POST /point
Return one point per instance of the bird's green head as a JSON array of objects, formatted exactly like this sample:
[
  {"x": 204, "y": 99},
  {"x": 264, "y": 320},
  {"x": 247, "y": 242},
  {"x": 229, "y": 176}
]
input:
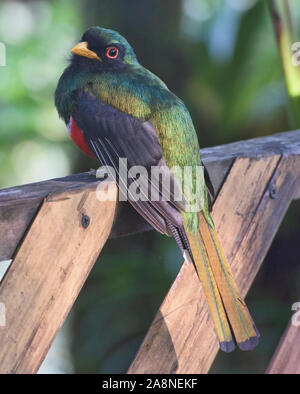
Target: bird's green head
[{"x": 103, "y": 50}]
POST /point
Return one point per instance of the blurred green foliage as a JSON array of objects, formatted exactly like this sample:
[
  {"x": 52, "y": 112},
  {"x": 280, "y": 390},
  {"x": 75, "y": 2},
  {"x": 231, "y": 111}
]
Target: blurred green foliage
[
  {"x": 221, "y": 58},
  {"x": 33, "y": 141}
]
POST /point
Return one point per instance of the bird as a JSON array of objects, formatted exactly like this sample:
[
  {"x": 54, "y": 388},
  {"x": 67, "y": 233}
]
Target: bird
[{"x": 114, "y": 109}]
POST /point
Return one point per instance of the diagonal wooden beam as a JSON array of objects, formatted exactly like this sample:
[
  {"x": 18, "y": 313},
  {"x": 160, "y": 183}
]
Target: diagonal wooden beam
[
  {"x": 47, "y": 274},
  {"x": 286, "y": 359},
  {"x": 247, "y": 213}
]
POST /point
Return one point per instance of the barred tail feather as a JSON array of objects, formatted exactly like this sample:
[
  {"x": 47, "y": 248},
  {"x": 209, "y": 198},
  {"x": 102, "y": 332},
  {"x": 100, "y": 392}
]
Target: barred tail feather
[{"x": 229, "y": 312}]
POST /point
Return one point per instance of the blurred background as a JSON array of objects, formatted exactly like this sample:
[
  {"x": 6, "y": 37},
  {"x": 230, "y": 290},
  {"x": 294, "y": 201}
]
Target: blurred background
[{"x": 221, "y": 58}]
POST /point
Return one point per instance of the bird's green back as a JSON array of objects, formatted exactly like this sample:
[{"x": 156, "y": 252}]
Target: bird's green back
[{"x": 138, "y": 92}]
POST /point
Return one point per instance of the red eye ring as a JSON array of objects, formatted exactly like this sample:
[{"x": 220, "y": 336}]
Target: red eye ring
[{"x": 112, "y": 52}]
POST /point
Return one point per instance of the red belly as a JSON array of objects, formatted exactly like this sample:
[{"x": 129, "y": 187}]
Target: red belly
[{"x": 77, "y": 136}]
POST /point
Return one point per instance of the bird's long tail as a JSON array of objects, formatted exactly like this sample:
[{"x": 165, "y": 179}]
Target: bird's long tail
[{"x": 229, "y": 312}]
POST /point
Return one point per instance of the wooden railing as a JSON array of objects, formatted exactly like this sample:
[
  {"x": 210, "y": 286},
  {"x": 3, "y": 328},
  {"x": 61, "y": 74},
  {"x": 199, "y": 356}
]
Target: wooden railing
[{"x": 55, "y": 230}]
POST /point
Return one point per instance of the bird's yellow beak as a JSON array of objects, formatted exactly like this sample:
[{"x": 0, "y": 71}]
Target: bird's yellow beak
[{"x": 82, "y": 49}]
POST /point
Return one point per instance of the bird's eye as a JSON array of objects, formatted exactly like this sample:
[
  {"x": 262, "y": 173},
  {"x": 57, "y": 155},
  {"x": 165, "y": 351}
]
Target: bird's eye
[{"x": 112, "y": 52}]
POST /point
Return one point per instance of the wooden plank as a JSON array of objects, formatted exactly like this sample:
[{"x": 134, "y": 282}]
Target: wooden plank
[
  {"x": 286, "y": 359},
  {"x": 181, "y": 338},
  {"x": 47, "y": 274},
  {"x": 287, "y": 143},
  {"x": 18, "y": 206},
  {"x": 192, "y": 337},
  {"x": 268, "y": 217},
  {"x": 296, "y": 195},
  {"x": 14, "y": 221},
  {"x": 25, "y": 200}
]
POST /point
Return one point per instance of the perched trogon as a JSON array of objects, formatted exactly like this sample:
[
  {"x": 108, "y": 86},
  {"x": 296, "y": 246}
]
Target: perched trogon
[{"x": 115, "y": 108}]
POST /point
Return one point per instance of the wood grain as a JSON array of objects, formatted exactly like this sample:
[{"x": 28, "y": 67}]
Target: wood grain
[
  {"x": 286, "y": 359},
  {"x": 47, "y": 274},
  {"x": 181, "y": 338}
]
